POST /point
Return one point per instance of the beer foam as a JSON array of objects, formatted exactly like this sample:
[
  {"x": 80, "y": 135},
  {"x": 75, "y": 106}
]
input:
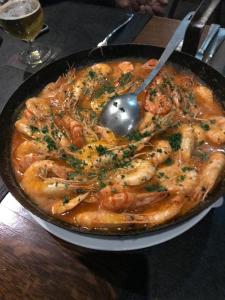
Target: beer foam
[{"x": 17, "y": 9}]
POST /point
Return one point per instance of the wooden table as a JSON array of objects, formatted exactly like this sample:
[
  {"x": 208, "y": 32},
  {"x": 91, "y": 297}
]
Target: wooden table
[{"x": 36, "y": 265}]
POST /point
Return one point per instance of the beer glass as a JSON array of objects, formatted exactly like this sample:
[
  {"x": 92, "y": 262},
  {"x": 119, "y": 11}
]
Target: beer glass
[{"x": 23, "y": 19}]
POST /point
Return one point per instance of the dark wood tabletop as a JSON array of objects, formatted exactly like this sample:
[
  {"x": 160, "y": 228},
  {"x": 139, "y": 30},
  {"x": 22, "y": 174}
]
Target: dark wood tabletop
[{"x": 36, "y": 265}]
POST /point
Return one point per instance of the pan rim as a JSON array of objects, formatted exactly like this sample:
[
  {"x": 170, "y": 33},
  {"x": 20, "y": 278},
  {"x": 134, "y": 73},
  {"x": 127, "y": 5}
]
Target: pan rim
[{"x": 28, "y": 204}]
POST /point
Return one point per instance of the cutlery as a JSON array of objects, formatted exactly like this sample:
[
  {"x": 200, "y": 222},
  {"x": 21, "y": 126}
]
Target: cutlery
[
  {"x": 214, "y": 46},
  {"x": 212, "y": 33},
  {"x": 108, "y": 37},
  {"x": 121, "y": 114}
]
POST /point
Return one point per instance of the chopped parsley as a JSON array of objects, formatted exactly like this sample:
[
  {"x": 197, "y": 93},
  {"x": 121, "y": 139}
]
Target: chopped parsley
[
  {"x": 74, "y": 162},
  {"x": 102, "y": 185},
  {"x": 105, "y": 88},
  {"x": 205, "y": 126},
  {"x": 125, "y": 78},
  {"x": 180, "y": 178},
  {"x": 191, "y": 98},
  {"x": 175, "y": 141},
  {"x": 101, "y": 150},
  {"x": 33, "y": 129},
  {"x": 153, "y": 92},
  {"x": 160, "y": 174},
  {"x": 66, "y": 200},
  {"x": 155, "y": 188},
  {"x": 80, "y": 191},
  {"x": 137, "y": 135},
  {"x": 92, "y": 74},
  {"x": 168, "y": 161},
  {"x": 71, "y": 175},
  {"x": 187, "y": 169},
  {"x": 44, "y": 130},
  {"x": 73, "y": 148},
  {"x": 129, "y": 152},
  {"x": 50, "y": 143}
]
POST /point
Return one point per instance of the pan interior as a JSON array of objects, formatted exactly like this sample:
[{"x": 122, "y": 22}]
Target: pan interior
[{"x": 50, "y": 73}]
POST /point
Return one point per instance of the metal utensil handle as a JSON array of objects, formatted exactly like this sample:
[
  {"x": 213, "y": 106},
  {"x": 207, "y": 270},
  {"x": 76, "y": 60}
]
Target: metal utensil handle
[
  {"x": 213, "y": 30},
  {"x": 215, "y": 46},
  {"x": 105, "y": 41},
  {"x": 120, "y": 26},
  {"x": 171, "y": 46}
]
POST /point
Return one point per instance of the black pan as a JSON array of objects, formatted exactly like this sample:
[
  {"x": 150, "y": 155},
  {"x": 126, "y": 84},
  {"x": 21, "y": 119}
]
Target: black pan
[{"x": 35, "y": 83}]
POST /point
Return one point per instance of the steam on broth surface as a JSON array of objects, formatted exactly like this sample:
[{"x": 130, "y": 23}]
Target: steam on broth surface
[{"x": 80, "y": 172}]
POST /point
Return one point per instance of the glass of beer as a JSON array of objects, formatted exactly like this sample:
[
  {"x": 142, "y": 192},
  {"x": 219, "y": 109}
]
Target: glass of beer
[{"x": 23, "y": 19}]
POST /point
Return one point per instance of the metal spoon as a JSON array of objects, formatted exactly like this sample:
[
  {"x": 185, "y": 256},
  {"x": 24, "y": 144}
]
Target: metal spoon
[{"x": 121, "y": 114}]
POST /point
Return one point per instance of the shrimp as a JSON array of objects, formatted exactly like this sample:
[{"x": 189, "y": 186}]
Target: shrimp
[
  {"x": 118, "y": 199},
  {"x": 199, "y": 133},
  {"x": 161, "y": 152},
  {"x": 158, "y": 214},
  {"x": 187, "y": 143},
  {"x": 209, "y": 175},
  {"x": 203, "y": 95},
  {"x": 37, "y": 184},
  {"x": 123, "y": 68},
  {"x": 177, "y": 179},
  {"x": 212, "y": 130},
  {"x": 75, "y": 130},
  {"x": 28, "y": 152},
  {"x": 146, "y": 121},
  {"x": 60, "y": 207},
  {"x": 118, "y": 152},
  {"x": 150, "y": 64},
  {"x": 106, "y": 134},
  {"x": 39, "y": 107},
  {"x": 216, "y": 132},
  {"x": 101, "y": 68},
  {"x": 158, "y": 104},
  {"x": 139, "y": 172}
]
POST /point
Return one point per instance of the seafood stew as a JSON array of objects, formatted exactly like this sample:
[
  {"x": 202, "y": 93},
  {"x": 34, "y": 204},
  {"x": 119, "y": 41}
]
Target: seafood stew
[{"x": 80, "y": 172}]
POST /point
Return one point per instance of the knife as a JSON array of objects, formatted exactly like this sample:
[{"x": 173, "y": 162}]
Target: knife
[{"x": 212, "y": 33}]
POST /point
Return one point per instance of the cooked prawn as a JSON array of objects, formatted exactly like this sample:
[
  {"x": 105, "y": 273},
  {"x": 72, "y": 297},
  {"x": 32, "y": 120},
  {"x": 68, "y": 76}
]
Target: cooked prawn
[
  {"x": 177, "y": 179},
  {"x": 74, "y": 130},
  {"x": 209, "y": 175},
  {"x": 160, "y": 153},
  {"x": 28, "y": 152},
  {"x": 118, "y": 199},
  {"x": 39, "y": 107},
  {"x": 38, "y": 183},
  {"x": 159, "y": 104},
  {"x": 60, "y": 207},
  {"x": 160, "y": 213},
  {"x": 137, "y": 173},
  {"x": 187, "y": 142}
]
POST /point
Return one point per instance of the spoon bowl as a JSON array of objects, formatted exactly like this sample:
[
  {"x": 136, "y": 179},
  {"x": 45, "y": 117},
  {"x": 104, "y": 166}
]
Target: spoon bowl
[{"x": 122, "y": 113}]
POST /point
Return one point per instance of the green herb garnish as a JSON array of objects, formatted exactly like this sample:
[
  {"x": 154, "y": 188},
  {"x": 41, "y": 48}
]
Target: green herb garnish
[
  {"x": 155, "y": 188},
  {"x": 187, "y": 169},
  {"x": 66, "y": 200},
  {"x": 125, "y": 78},
  {"x": 205, "y": 126},
  {"x": 33, "y": 129},
  {"x": 73, "y": 148},
  {"x": 50, "y": 143},
  {"x": 175, "y": 141},
  {"x": 101, "y": 150},
  {"x": 168, "y": 161}
]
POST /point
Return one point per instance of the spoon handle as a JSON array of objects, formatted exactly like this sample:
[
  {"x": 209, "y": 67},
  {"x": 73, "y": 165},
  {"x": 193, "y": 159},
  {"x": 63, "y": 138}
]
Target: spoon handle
[{"x": 171, "y": 46}]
